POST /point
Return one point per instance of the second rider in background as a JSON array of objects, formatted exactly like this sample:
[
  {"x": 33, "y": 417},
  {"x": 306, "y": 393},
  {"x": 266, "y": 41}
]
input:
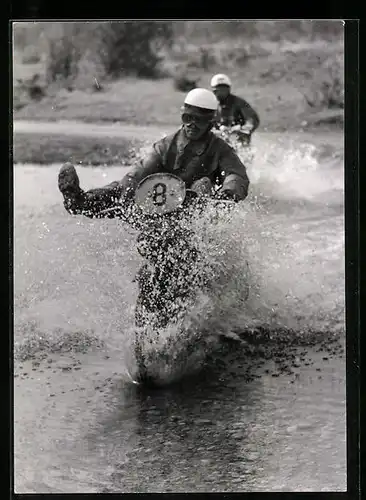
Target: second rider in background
[{"x": 232, "y": 110}]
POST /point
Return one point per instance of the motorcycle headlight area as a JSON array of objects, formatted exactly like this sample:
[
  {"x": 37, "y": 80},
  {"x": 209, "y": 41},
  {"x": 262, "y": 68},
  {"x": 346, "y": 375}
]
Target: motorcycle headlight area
[{"x": 160, "y": 194}]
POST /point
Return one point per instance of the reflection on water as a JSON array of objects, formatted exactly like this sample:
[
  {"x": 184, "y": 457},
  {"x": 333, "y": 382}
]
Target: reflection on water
[
  {"x": 217, "y": 432},
  {"x": 225, "y": 435}
]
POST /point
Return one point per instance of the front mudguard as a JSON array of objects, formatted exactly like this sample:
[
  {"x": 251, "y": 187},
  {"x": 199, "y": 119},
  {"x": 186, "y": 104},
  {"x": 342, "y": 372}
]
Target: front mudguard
[
  {"x": 168, "y": 278},
  {"x": 163, "y": 295}
]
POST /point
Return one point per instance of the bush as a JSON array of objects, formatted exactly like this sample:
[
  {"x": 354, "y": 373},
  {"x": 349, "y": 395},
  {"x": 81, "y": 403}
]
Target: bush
[
  {"x": 131, "y": 48},
  {"x": 113, "y": 48},
  {"x": 62, "y": 59},
  {"x": 327, "y": 89},
  {"x": 185, "y": 83},
  {"x": 27, "y": 90}
]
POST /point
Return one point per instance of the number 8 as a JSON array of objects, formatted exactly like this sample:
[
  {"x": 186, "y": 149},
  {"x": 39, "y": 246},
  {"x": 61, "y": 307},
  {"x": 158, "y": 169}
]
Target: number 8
[{"x": 159, "y": 194}]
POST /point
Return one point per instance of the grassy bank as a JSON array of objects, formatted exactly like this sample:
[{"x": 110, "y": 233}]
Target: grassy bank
[{"x": 47, "y": 149}]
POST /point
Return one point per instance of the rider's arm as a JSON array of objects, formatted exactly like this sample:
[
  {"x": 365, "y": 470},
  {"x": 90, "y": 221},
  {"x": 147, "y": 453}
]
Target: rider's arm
[
  {"x": 234, "y": 173},
  {"x": 247, "y": 113},
  {"x": 150, "y": 164}
]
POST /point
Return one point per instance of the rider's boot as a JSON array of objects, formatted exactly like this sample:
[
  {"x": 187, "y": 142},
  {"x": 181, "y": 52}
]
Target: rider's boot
[
  {"x": 68, "y": 180},
  {"x": 69, "y": 185}
]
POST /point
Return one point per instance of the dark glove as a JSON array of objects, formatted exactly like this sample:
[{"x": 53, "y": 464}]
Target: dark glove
[
  {"x": 227, "y": 194},
  {"x": 244, "y": 137},
  {"x": 203, "y": 187}
]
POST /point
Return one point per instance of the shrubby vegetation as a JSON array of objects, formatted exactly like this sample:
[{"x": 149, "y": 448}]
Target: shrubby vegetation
[
  {"x": 88, "y": 55},
  {"x": 106, "y": 49}
]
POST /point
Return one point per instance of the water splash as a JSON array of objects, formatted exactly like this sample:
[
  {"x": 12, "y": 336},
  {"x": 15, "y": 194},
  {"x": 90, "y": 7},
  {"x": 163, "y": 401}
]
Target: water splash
[
  {"x": 285, "y": 170},
  {"x": 289, "y": 257}
]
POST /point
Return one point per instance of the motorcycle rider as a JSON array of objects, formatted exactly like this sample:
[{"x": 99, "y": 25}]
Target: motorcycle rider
[
  {"x": 193, "y": 153},
  {"x": 232, "y": 110},
  {"x": 201, "y": 159}
]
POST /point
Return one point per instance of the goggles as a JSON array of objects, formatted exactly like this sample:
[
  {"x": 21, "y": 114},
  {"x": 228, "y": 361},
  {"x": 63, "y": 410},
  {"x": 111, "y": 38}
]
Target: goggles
[{"x": 196, "y": 119}]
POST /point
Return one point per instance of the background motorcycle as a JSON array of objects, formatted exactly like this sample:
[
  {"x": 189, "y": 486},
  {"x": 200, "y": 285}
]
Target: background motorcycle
[{"x": 235, "y": 135}]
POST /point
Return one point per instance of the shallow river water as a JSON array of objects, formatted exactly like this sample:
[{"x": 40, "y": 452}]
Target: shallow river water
[{"x": 267, "y": 414}]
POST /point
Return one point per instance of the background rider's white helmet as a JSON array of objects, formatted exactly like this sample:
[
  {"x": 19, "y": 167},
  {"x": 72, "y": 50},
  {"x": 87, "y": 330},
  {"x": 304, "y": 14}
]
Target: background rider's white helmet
[
  {"x": 201, "y": 98},
  {"x": 220, "y": 79}
]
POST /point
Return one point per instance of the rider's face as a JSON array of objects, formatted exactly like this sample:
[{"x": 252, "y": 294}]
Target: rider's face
[
  {"x": 221, "y": 92},
  {"x": 195, "y": 125}
]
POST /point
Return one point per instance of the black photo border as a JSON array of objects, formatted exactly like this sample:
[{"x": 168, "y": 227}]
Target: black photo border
[{"x": 37, "y": 10}]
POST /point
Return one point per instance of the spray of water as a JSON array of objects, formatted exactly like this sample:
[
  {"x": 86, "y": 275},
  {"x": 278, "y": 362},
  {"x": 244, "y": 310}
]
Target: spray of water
[{"x": 274, "y": 263}]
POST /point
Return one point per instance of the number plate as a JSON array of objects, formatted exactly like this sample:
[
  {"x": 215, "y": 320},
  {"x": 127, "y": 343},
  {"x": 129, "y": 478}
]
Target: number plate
[{"x": 160, "y": 193}]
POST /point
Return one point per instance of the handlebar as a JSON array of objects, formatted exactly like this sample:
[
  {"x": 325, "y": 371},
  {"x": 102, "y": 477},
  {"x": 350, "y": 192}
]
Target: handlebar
[{"x": 120, "y": 210}]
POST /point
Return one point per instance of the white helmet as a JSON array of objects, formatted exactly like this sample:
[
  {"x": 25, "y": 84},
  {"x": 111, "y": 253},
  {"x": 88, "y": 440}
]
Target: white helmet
[
  {"x": 220, "y": 79},
  {"x": 201, "y": 98}
]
